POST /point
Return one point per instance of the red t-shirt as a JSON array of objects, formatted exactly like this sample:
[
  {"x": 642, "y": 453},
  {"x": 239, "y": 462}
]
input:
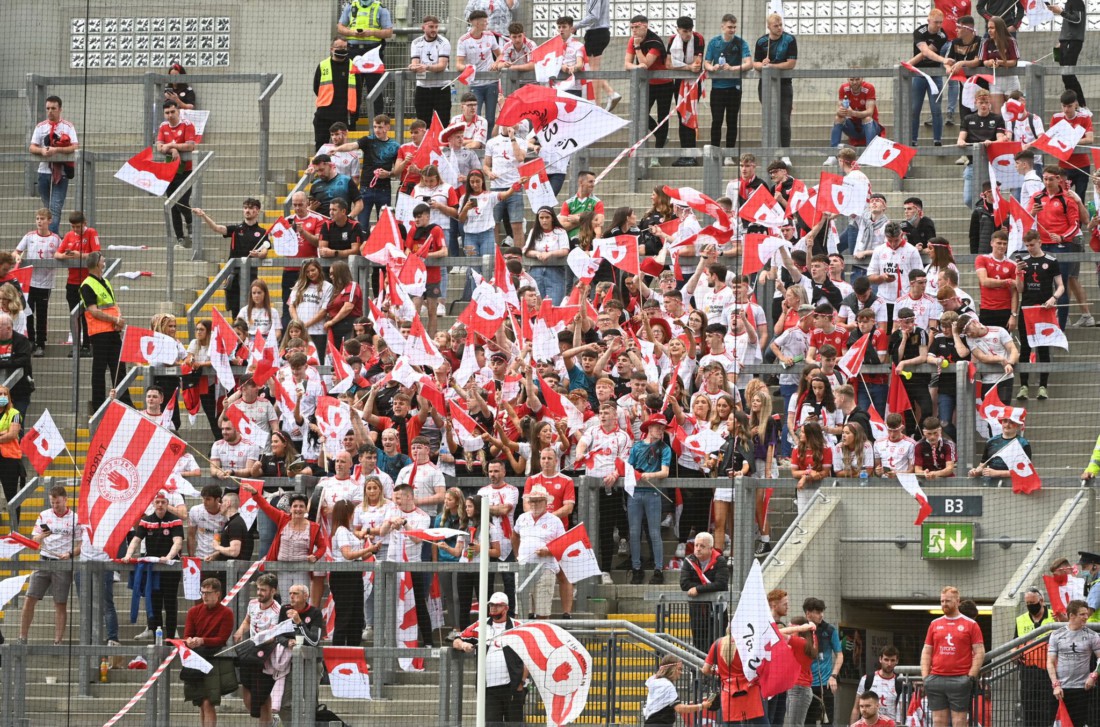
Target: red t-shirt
[
  {"x": 882, "y": 722},
  {"x": 353, "y": 294},
  {"x": 838, "y": 339},
  {"x": 804, "y": 460},
  {"x": 409, "y": 179},
  {"x": 798, "y": 648},
  {"x": 952, "y": 10},
  {"x": 653, "y": 46},
  {"x": 996, "y": 298},
  {"x": 560, "y": 488},
  {"x": 181, "y": 133},
  {"x": 952, "y": 640},
  {"x": 740, "y": 699},
  {"x": 858, "y": 101},
  {"x": 84, "y": 244},
  {"x": 1084, "y": 120},
  {"x": 434, "y": 243}
]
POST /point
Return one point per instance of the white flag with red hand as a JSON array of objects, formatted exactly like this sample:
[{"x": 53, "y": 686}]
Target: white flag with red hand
[
  {"x": 369, "y": 62},
  {"x": 1002, "y": 159},
  {"x": 249, "y": 507},
  {"x": 908, "y": 482},
  {"x": 574, "y": 554},
  {"x": 485, "y": 312},
  {"x": 1062, "y": 589},
  {"x": 548, "y": 59},
  {"x": 888, "y": 155},
  {"x": 283, "y": 238},
  {"x": 129, "y": 459},
  {"x": 762, "y": 209},
  {"x": 539, "y": 192},
  {"x": 992, "y": 411},
  {"x": 148, "y": 348},
  {"x": 147, "y": 175},
  {"x": 621, "y": 251},
  {"x": 759, "y": 250},
  {"x": 420, "y": 349},
  {"x": 43, "y": 442},
  {"x": 1042, "y": 328},
  {"x": 559, "y": 665},
  {"x": 1060, "y": 140},
  {"x": 12, "y": 543},
  {"x": 250, "y": 432},
  {"x": 1025, "y": 479},
  {"x": 348, "y": 672},
  {"x": 851, "y": 362},
  {"x": 1037, "y": 13},
  {"x": 192, "y": 578},
  {"x": 188, "y": 658}
]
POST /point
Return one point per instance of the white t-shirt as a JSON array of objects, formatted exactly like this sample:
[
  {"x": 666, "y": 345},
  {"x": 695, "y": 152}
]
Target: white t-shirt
[
  {"x": 313, "y": 301},
  {"x": 261, "y": 320},
  {"x": 536, "y": 534},
  {"x": 416, "y": 519},
  {"x": 428, "y": 478},
  {"x": 503, "y": 160},
  {"x": 897, "y": 262},
  {"x": 994, "y": 343},
  {"x": 333, "y": 490},
  {"x": 429, "y": 52},
  {"x": 207, "y": 526},
  {"x": 60, "y": 529},
  {"x": 480, "y": 216},
  {"x": 552, "y": 241},
  {"x": 344, "y": 538},
  {"x": 233, "y": 456},
  {"x": 793, "y": 342},
  {"x": 41, "y": 131},
  {"x": 371, "y": 517},
  {"x": 867, "y": 460},
  {"x": 899, "y": 456},
  {"x": 476, "y": 130},
  {"x": 925, "y": 308},
  {"x": 36, "y": 247},
  {"x": 716, "y": 305},
  {"x": 346, "y": 162},
  {"x": 478, "y": 52}
]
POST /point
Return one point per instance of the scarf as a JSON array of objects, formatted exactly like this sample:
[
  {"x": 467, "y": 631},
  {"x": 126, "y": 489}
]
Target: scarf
[{"x": 681, "y": 53}]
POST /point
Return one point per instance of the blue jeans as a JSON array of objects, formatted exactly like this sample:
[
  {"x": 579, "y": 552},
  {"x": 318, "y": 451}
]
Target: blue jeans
[
  {"x": 786, "y": 391},
  {"x": 1066, "y": 270},
  {"x": 921, "y": 88},
  {"x": 968, "y": 186},
  {"x": 947, "y": 409},
  {"x": 878, "y": 396},
  {"x": 373, "y": 200},
  {"x": 645, "y": 502},
  {"x": 486, "y": 102},
  {"x": 53, "y": 197},
  {"x": 798, "y": 704},
  {"x": 953, "y": 88},
  {"x": 106, "y": 603},
  {"x": 266, "y": 528},
  {"x": 551, "y": 282},
  {"x": 866, "y": 129}
]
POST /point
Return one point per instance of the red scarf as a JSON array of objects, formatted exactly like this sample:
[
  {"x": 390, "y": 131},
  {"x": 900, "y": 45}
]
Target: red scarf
[{"x": 701, "y": 572}]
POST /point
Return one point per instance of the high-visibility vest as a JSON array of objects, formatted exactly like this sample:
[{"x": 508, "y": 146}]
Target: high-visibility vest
[
  {"x": 325, "y": 92},
  {"x": 9, "y": 450},
  {"x": 104, "y": 301},
  {"x": 1035, "y": 655},
  {"x": 365, "y": 18}
]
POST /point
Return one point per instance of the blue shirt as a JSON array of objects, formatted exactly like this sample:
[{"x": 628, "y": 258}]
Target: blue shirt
[
  {"x": 326, "y": 190},
  {"x": 392, "y": 466},
  {"x": 828, "y": 645},
  {"x": 578, "y": 379},
  {"x": 646, "y": 457},
  {"x": 719, "y": 46}
]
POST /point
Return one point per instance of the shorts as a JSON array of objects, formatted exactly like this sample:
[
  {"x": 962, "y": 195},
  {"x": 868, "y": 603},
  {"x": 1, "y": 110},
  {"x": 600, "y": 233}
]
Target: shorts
[
  {"x": 596, "y": 40},
  {"x": 57, "y": 582},
  {"x": 432, "y": 290},
  {"x": 725, "y": 492},
  {"x": 513, "y": 205},
  {"x": 1005, "y": 85},
  {"x": 1066, "y": 269},
  {"x": 948, "y": 693},
  {"x": 542, "y": 595}
]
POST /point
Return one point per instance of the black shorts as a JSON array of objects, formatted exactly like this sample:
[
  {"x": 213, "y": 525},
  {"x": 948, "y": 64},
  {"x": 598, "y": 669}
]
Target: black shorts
[
  {"x": 432, "y": 290},
  {"x": 596, "y": 40}
]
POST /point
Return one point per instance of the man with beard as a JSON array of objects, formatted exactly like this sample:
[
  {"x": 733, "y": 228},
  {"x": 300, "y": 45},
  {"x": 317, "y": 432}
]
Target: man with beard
[{"x": 505, "y": 675}]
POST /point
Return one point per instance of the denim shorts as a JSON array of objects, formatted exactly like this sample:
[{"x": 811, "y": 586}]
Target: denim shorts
[{"x": 513, "y": 205}]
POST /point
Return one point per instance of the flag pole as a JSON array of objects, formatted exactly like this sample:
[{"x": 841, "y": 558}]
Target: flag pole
[{"x": 483, "y": 607}]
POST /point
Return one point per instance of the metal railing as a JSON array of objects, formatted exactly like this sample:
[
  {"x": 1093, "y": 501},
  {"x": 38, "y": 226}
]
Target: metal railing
[{"x": 192, "y": 182}]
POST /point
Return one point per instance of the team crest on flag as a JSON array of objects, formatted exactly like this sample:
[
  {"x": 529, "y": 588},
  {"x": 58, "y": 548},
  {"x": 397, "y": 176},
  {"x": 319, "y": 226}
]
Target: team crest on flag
[
  {"x": 147, "y": 175},
  {"x": 43, "y": 442},
  {"x": 888, "y": 154},
  {"x": 559, "y": 665},
  {"x": 348, "y": 672},
  {"x": 1042, "y": 328}
]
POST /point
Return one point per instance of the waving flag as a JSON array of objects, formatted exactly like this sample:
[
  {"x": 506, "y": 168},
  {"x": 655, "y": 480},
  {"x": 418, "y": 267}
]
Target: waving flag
[
  {"x": 284, "y": 239},
  {"x": 408, "y": 630},
  {"x": 908, "y": 482},
  {"x": 369, "y": 62},
  {"x": 348, "y": 673},
  {"x": 878, "y": 427},
  {"x": 762, "y": 209},
  {"x": 12, "y": 543},
  {"x": 583, "y": 265},
  {"x": 1037, "y": 13},
  {"x": 931, "y": 81},
  {"x": 247, "y": 428},
  {"x": 621, "y": 251},
  {"x": 1042, "y": 327},
  {"x": 1025, "y": 479},
  {"x": 485, "y": 312},
  {"x": 10, "y": 587},
  {"x": 538, "y": 104},
  {"x": 334, "y": 417},
  {"x": 574, "y": 554},
  {"x": 249, "y": 507},
  {"x": 188, "y": 658},
  {"x": 897, "y": 400},
  {"x": 502, "y": 279},
  {"x": 548, "y": 59},
  {"x": 42, "y": 442},
  {"x": 991, "y": 410},
  {"x": 559, "y": 665},
  {"x": 699, "y": 202},
  {"x": 889, "y": 155},
  {"x": 851, "y": 362},
  {"x": 128, "y": 460},
  {"x": 147, "y": 175},
  {"x": 148, "y": 348},
  {"x": 468, "y": 74},
  {"x": 1062, "y": 589},
  {"x": 753, "y": 631},
  {"x": 970, "y": 88},
  {"x": 223, "y": 346},
  {"x": 687, "y": 101},
  {"x": 1002, "y": 159},
  {"x": 758, "y": 251},
  {"x": 420, "y": 349},
  {"x": 430, "y": 150},
  {"x": 384, "y": 244},
  {"x": 1060, "y": 140},
  {"x": 539, "y": 192},
  {"x": 703, "y": 442},
  {"x": 192, "y": 578},
  {"x": 413, "y": 276},
  {"x": 1019, "y": 222}
]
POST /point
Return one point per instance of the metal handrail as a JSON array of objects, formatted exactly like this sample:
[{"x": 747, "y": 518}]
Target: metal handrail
[
  {"x": 300, "y": 186},
  {"x": 771, "y": 559},
  {"x": 193, "y": 180},
  {"x": 130, "y": 376},
  {"x": 265, "y": 129},
  {"x": 1040, "y": 555},
  {"x": 230, "y": 267}
]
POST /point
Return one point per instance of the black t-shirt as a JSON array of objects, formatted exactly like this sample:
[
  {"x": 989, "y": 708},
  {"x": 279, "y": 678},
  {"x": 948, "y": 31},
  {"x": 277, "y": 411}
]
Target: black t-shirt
[
  {"x": 826, "y": 291},
  {"x": 236, "y": 529},
  {"x": 158, "y": 533},
  {"x": 924, "y": 231},
  {"x": 944, "y": 347},
  {"x": 1039, "y": 274},
  {"x": 243, "y": 238},
  {"x": 341, "y": 237},
  {"x": 983, "y": 128},
  {"x": 309, "y": 631},
  {"x": 935, "y": 41},
  {"x": 902, "y": 346}
]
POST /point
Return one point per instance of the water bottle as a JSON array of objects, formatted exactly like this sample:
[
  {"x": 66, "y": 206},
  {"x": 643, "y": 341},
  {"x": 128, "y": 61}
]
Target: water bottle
[
  {"x": 863, "y": 478},
  {"x": 721, "y": 60},
  {"x": 159, "y": 636},
  {"x": 845, "y": 104}
]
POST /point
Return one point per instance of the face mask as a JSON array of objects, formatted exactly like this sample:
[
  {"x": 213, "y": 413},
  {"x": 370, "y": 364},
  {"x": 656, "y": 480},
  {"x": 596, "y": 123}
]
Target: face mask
[
  {"x": 1034, "y": 608},
  {"x": 3, "y": 401},
  {"x": 340, "y": 55}
]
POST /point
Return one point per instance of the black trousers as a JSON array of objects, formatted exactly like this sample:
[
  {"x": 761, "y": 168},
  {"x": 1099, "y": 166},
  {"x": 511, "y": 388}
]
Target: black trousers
[
  {"x": 1067, "y": 56},
  {"x": 687, "y": 134},
  {"x": 921, "y": 399},
  {"x": 661, "y": 95},
  {"x": 1080, "y": 705},
  {"x": 166, "y": 604},
  {"x": 1037, "y": 702},
  {"x": 39, "y": 303},
  {"x": 612, "y": 514},
  {"x": 504, "y": 706},
  {"x": 422, "y": 589},
  {"x": 1042, "y": 354},
  {"x": 998, "y": 317},
  {"x": 72, "y": 299},
  {"x": 106, "y": 349},
  {"x": 725, "y": 107},
  {"x": 181, "y": 212},
  {"x": 347, "y": 593},
  {"x": 428, "y": 100},
  {"x": 696, "y": 514}
]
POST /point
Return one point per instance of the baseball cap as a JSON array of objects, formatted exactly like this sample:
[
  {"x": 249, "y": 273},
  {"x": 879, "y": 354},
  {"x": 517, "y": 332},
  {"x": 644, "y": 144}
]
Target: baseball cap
[{"x": 498, "y": 598}]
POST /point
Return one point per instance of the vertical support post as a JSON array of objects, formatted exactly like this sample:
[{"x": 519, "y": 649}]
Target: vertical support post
[
  {"x": 743, "y": 520},
  {"x": 712, "y": 170},
  {"x": 87, "y": 598},
  {"x": 965, "y": 432},
  {"x": 458, "y": 688},
  {"x": 196, "y": 229},
  {"x": 769, "y": 110},
  {"x": 902, "y": 91},
  {"x": 980, "y": 165},
  {"x": 639, "y": 120},
  {"x": 88, "y": 194},
  {"x": 444, "y": 706},
  {"x": 399, "y": 82},
  {"x": 170, "y": 278},
  {"x": 149, "y": 105},
  {"x": 483, "y": 607},
  {"x": 163, "y": 690},
  {"x": 245, "y": 278},
  {"x": 30, "y": 169},
  {"x": 1036, "y": 89},
  {"x": 19, "y": 692},
  {"x": 265, "y": 135}
]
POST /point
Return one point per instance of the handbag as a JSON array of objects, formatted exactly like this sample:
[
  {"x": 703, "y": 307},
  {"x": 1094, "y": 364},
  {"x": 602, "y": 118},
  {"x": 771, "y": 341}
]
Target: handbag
[
  {"x": 255, "y": 654},
  {"x": 713, "y": 702}
]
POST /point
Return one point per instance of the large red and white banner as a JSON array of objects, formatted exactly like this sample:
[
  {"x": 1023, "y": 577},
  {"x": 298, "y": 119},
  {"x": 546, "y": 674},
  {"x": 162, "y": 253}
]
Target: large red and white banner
[{"x": 559, "y": 665}]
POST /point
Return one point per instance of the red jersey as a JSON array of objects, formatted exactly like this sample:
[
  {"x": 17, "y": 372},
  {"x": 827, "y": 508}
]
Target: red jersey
[
  {"x": 952, "y": 640},
  {"x": 311, "y": 223},
  {"x": 952, "y": 10},
  {"x": 798, "y": 648},
  {"x": 1083, "y": 119},
  {"x": 353, "y": 294},
  {"x": 181, "y": 133},
  {"x": 653, "y": 47},
  {"x": 84, "y": 243},
  {"x": 880, "y": 722},
  {"x": 431, "y": 240},
  {"x": 837, "y": 338},
  {"x": 857, "y": 100},
  {"x": 804, "y": 459},
  {"x": 408, "y": 179},
  {"x": 1058, "y": 216},
  {"x": 996, "y": 298},
  {"x": 560, "y": 488}
]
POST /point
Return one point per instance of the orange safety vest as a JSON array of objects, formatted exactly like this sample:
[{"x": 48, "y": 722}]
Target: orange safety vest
[
  {"x": 325, "y": 91},
  {"x": 105, "y": 302},
  {"x": 9, "y": 450}
]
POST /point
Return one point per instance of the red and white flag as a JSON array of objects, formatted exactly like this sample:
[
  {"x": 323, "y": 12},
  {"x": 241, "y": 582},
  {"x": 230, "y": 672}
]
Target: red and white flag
[
  {"x": 223, "y": 346},
  {"x": 762, "y": 209},
  {"x": 889, "y": 155},
  {"x": 687, "y": 101},
  {"x": 621, "y": 251},
  {"x": 436, "y": 535},
  {"x": 625, "y": 470},
  {"x": 384, "y": 244},
  {"x": 343, "y": 374},
  {"x": 11, "y": 587},
  {"x": 485, "y": 312},
  {"x": 348, "y": 672},
  {"x": 1002, "y": 157},
  {"x": 1062, "y": 589},
  {"x": 1061, "y": 718},
  {"x": 128, "y": 460},
  {"x": 548, "y": 59},
  {"x": 851, "y": 362},
  {"x": 1020, "y": 221},
  {"x": 419, "y": 348},
  {"x": 992, "y": 411},
  {"x": 759, "y": 250},
  {"x": 1025, "y": 479},
  {"x": 413, "y": 276},
  {"x": 435, "y": 603},
  {"x": 502, "y": 279},
  {"x": 329, "y": 612},
  {"x": 284, "y": 239},
  {"x": 574, "y": 554},
  {"x": 147, "y": 175},
  {"x": 970, "y": 89},
  {"x": 1000, "y": 206},
  {"x": 538, "y": 104},
  {"x": 148, "y": 348},
  {"x": 42, "y": 442},
  {"x": 753, "y": 630},
  {"x": 583, "y": 265},
  {"x": 931, "y": 81},
  {"x": 539, "y": 192},
  {"x": 12, "y": 543},
  {"x": 466, "y": 428},
  {"x": 559, "y": 665},
  {"x": 192, "y": 578},
  {"x": 248, "y": 429},
  {"x": 878, "y": 426},
  {"x": 1060, "y": 140},
  {"x": 249, "y": 507},
  {"x": 408, "y": 631},
  {"x": 908, "y": 482},
  {"x": 468, "y": 74},
  {"x": 699, "y": 202},
  {"x": 430, "y": 150},
  {"x": 1042, "y": 328},
  {"x": 703, "y": 442},
  {"x": 369, "y": 62},
  {"x": 188, "y": 658}
]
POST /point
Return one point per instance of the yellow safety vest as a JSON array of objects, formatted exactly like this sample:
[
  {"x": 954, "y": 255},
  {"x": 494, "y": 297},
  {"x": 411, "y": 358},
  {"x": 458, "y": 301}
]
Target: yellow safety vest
[
  {"x": 9, "y": 450},
  {"x": 326, "y": 93},
  {"x": 105, "y": 302},
  {"x": 1035, "y": 655},
  {"x": 365, "y": 18}
]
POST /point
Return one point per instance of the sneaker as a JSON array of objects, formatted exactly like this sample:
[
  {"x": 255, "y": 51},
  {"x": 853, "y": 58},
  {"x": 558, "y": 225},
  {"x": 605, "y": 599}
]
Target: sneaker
[
  {"x": 666, "y": 522},
  {"x": 22, "y": 641},
  {"x": 182, "y": 244},
  {"x": 949, "y": 122},
  {"x": 144, "y": 635},
  {"x": 1022, "y": 396},
  {"x": 683, "y": 162},
  {"x": 1042, "y": 393},
  {"x": 441, "y": 310},
  {"x": 928, "y": 124},
  {"x": 113, "y": 642},
  {"x": 681, "y": 551},
  {"x": 962, "y": 161},
  {"x": 567, "y": 616},
  {"x": 612, "y": 101},
  {"x": 637, "y": 577},
  {"x": 830, "y": 161},
  {"x": 654, "y": 162},
  {"x": 39, "y": 351},
  {"x": 85, "y": 352},
  {"x": 276, "y": 721},
  {"x": 606, "y": 579},
  {"x": 658, "y": 578},
  {"x": 937, "y": 142},
  {"x": 368, "y": 634},
  {"x": 70, "y": 354},
  {"x": 729, "y": 162},
  {"x": 624, "y": 548},
  {"x": 1085, "y": 321}
]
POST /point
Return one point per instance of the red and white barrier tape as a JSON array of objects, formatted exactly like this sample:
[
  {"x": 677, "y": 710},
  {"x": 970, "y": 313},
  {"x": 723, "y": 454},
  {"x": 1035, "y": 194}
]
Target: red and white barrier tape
[{"x": 172, "y": 655}]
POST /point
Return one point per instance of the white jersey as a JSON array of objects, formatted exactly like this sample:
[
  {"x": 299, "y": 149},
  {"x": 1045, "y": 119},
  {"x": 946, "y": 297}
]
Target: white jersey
[
  {"x": 233, "y": 456},
  {"x": 428, "y": 478},
  {"x": 43, "y": 130},
  {"x": 333, "y": 490},
  {"x": 59, "y": 530},
  {"x": 38, "y": 247},
  {"x": 886, "y": 260},
  {"x": 504, "y": 495},
  {"x": 886, "y": 689},
  {"x": 503, "y": 162},
  {"x": 605, "y": 449},
  {"x": 925, "y": 308},
  {"x": 994, "y": 343},
  {"x": 415, "y": 519},
  {"x": 899, "y": 456},
  {"x": 346, "y": 162},
  {"x": 479, "y": 53},
  {"x": 206, "y": 526},
  {"x": 716, "y": 304},
  {"x": 476, "y": 130},
  {"x": 535, "y": 534},
  {"x": 260, "y": 617},
  {"x": 429, "y": 52}
]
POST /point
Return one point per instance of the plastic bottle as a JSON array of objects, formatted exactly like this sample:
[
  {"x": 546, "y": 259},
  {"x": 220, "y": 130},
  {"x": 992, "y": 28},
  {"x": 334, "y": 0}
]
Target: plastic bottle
[
  {"x": 863, "y": 476},
  {"x": 104, "y": 668},
  {"x": 159, "y": 636},
  {"x": 846, "y": 104},
  {"x": 721, "y": 60}
]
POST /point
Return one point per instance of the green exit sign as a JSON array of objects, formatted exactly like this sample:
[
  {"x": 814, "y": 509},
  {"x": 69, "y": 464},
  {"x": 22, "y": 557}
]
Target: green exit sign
[{"x": 947, "y": 541}]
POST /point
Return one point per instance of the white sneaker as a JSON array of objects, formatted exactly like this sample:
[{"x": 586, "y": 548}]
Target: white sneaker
[
  {"x": 507, "y": 241},
  {"x": 612, "y": 101},
  {"x": 829, "y": 162},
  {"x": 787, "y": 161},
  {"x": 441, "y": 310},
  {"x": 962, "y": 161},
  {"x": 606, "y": 580},
  {"x": 666, "y": 522},
  {"x": 368, "y": 634},
  {"x": 729, "y": 162},
  {"x": 681, "y": 550},
  {"x": 144, "y": 635},
  {"x": 1085, "y": 321},
  {"x": 654, "y": 162}
]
